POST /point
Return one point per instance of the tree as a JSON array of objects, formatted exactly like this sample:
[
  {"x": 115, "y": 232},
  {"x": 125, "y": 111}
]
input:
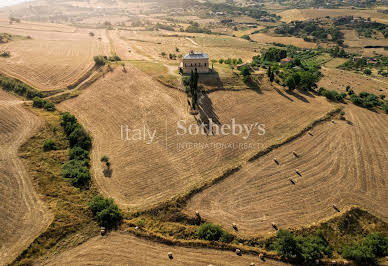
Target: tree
[
  {"x": 99, "y": 60},
  {"x": 193, "y": 84},
  {"x": 286, "y": 244},
  {"x": 269, "y": 71},
  {"x": 213, "y": 232},
  {"x": 290, "y": 82},
  {"x": 106, "y": 211}
]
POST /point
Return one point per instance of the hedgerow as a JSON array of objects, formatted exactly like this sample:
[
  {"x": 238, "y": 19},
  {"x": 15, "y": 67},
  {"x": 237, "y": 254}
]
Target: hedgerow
[{"x": 77, "y": 169}]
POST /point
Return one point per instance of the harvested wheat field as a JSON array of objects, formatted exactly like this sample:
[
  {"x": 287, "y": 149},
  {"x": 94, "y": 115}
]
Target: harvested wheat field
[
  {"x": 152, "y": 43},
  {"x": 338, "y": 79},
  {"x": 312, "y": 13},
  {"x": 265, "y": 38},
  {"x": 341, "y": 163},
  {"x": 22, "y": 215},
  {"x": 125, "y": 249},
  {"x": 51, "y": 61},
  {"x": 144, "y": 174}
]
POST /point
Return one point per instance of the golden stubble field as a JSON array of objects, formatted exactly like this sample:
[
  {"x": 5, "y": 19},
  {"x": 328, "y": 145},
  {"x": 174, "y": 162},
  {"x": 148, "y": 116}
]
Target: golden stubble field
[
  {"x": 54, "y": 57},
  {"x": 341, "y": 163},
  {"x": 150, "y": 44},
  {"x": 145, "y": 175},
  {"x": 311, "y": 13},
  {"x": 22, "y": 214},
  {"x": 125, "y": 249}
]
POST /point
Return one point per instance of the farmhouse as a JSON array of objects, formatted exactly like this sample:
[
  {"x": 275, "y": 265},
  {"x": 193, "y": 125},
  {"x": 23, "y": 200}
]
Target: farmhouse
[
  {"x": 192, "y": 61},
  {"x": 286, "y": 60}
]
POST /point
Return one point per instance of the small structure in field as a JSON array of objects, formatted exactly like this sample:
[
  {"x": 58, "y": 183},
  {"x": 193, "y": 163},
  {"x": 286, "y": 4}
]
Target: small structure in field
[
  {"x": 286, "y": 60},
  {"x": 194, "y": 61}
]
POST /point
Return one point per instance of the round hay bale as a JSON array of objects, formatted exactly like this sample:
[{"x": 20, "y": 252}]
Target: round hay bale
[
  {"x": 170, "y": 255},
  {"x": 234, "y": 226},
  {"x": 238, "y": 252},
  {"x": 103, "y": 230},
  {"x": 275, "y": 226},
  {"x": 252, "y": 264},
  {"x": 311, "y": 134}
]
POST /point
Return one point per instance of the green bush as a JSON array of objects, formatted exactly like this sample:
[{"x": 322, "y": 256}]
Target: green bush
[
  {"x": 99, "y": 60},
  {"x": 213, "y": 232},
  {"x": 49, "y": 106},
  {"x": 367, "y": 71},
  {"x": 374, "y": 245},
  {"x": 78, "y": 173},
  {"x": 38, "y": 102},
  {"x": 301, "y": 249},
  {"x": 106, "y": 211},
  {"x": 49, "y": 145},
  {"x": 77, "y": 169}
]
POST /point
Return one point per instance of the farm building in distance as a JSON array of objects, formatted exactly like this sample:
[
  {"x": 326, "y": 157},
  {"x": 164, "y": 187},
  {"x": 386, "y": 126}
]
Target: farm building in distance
[{"x": 192, "y": 61}]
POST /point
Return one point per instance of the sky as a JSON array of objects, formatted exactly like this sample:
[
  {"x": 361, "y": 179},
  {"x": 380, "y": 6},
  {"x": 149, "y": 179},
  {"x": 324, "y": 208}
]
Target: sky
[{"x": 4, "y": 3}]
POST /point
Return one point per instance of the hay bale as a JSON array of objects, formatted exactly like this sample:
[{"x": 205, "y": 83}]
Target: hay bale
[
  {"x": 336, "y": 208},
  {"x": 292, "y": 181},
  {"x": 311, "y": 134},
  {"x": 276, "y": 161},
  {"x": 170, "y": 255},
  {"x": 275, "y": 226},
  {"x": 102, "y": 231},
  {"x": 295, "y": 154},
  {"x": 262, "y": 256},
  {"x": 234, "y": 226},
  {"x": 346, "y": 262},
  {"x": 333, "y": 121},
  {"x": 252, "y": 264},
  {"x": 298, "y": 172},
  {"x": 238, "y": 252}
]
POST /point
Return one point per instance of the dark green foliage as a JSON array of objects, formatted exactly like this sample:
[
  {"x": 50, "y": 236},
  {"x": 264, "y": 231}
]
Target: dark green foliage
[
  {"x": 42, "y": 103},
  {"x": 301, "y": 249},
  {"x": 366, "y": 100},
  {"x": 77, "y": 153},
  {"x": 332, "y": 95},
  {"x": 99, "y": 60},
  {"x": 49, "y": 106},
  {"x": 77, "y": 169},
  {"x": 286, "y": 244},
  {"x": 18, "y": 87},
  {"x": 114, "y": 58},
  {"x": 290, "y": 82},
  {"x": 213, "y": 232},
  {"x": 106, "y": 211},
  {"x": 373, "y": 246},
  {"x": 367, "y": 71},
  {"x": 49, "y": 145},
  {"x": 77, "y": 172},
  {"x": 274, "y": 54},
  {"x": 193, "y": 85},
  {"x": 245, "y": 71}
]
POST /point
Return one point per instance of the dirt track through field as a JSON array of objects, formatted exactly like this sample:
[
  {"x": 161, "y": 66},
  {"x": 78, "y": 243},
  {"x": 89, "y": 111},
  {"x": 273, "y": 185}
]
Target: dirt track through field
[
  {"x": 125, "y": 249},
  {"x": 22, "y": 214},
  {"x": 343, "y": 163}
]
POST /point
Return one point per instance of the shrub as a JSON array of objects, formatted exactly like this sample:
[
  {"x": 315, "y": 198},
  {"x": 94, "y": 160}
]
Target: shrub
[
  {"x": 373, "y": 246},
  {"x": 99, "y": 60},
  {"x": 77, "y": 153},
  {"x": 49, "y": 106},
  {"x": 106, "y": 211},
  {"x": 246, "y": 37},
  {"x": 104, "y": 159},
  {"x": 355, "y": 99},
  {"x": 245, "y": 71},
  {"x": 38, "y": 102},
  {"x": 77, "y": 172},
  {"x": 49, "y": 145},
  {"x": 213, "y": 232},
  {"x": 367, "y": 71},
  {"x": 301, "y": 249}
]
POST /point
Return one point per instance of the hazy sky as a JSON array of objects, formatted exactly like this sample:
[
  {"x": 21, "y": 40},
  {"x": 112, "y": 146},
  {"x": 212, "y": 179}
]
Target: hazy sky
[{"x": 11, "y": 2}]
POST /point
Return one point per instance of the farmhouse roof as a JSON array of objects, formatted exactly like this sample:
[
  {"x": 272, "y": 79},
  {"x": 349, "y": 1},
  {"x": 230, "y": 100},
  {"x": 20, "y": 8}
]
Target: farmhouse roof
[{"x": 196, "y": 56}]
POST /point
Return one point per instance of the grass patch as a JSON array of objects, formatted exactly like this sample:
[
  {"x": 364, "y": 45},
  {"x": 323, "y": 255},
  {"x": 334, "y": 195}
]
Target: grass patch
[{"x": 72, "y": 218}]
